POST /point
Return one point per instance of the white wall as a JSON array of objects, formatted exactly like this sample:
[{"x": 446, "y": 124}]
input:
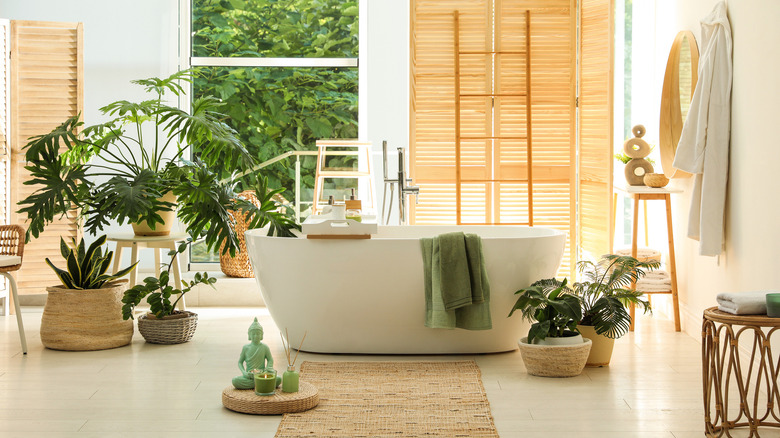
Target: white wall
[
  {"x": 388, "y": 87},
  {"x": 751, "y": 260},
  {"x": 123, "y": 41}
]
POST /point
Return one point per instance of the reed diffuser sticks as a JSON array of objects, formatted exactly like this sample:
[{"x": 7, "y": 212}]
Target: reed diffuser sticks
[{"x": 287, "y": 346}]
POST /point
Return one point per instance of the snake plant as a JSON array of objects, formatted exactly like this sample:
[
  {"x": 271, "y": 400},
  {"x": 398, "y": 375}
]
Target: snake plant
[{"x": 86, "y": 267}]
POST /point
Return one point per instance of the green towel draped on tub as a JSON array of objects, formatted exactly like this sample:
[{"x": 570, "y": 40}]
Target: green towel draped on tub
[{"x": 457, "y": 293}]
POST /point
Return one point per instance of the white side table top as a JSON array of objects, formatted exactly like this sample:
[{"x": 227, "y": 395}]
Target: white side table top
[
  {"x": 645, "y": 189},
  {"x": 130, "y": 237}
]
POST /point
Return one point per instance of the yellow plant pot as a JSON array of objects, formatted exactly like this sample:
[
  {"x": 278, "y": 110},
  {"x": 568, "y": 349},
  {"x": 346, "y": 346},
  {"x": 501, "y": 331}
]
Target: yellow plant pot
[
  {"x": 601, "y": 351},
  {"x": 163, "y": 229}
]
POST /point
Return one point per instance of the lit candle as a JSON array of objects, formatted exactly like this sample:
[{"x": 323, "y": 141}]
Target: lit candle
[{"x": 265, "y": 382}]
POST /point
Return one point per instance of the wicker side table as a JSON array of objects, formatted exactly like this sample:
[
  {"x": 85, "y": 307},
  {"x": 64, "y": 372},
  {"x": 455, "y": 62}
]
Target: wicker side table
[
  {"x": 246, "y": 402},
  {"x": 739, "y": 373}
]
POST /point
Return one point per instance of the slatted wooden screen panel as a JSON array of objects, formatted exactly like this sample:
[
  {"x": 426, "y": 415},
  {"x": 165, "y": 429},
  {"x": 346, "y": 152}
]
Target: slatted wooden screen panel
[
  {"x": 596, "y": 129},
  {"x": 553, "y": 87},
  {"x": 432, "y": 128},
  {"x": 46, "y": 89},
  {"x": 5, "y": 119}
]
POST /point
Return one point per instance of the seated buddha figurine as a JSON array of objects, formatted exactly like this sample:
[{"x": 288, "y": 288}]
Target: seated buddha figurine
[{"x": 254, "y": 356}]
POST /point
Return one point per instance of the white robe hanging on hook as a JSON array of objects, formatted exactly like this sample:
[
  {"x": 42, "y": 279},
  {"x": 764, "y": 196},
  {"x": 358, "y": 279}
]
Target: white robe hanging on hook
[{"x": 703, "y": 149}]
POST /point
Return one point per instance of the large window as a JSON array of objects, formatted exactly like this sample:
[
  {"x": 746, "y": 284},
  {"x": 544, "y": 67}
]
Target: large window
[{"x": 288, "y": 74}]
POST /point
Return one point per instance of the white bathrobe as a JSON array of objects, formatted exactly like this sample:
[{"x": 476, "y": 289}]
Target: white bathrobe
[{"x": 703, "y": 149}]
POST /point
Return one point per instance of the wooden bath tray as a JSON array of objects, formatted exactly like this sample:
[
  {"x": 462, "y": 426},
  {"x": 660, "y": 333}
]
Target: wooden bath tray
[{"x": 337, "y": 229}]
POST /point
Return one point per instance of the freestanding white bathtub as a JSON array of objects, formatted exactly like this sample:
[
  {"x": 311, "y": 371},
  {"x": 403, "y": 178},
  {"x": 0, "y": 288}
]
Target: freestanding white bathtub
[{"x": 367, "y": 296}]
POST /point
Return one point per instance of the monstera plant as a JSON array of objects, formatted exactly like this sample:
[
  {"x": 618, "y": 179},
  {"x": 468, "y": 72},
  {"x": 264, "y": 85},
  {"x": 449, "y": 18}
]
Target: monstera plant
[{"x": 120, "y": 170}]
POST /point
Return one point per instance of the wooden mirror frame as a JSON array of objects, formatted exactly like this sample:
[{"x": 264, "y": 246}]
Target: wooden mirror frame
[{"x": 671, "y": 122}]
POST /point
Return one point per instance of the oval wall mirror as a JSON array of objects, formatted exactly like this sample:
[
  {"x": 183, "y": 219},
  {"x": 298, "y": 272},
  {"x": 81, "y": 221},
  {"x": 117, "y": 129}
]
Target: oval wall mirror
[{"x": 679, "y": 82}]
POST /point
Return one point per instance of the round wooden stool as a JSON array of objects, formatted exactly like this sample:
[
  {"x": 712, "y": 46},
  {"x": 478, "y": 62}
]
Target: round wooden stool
[{"x": 247, "y": 402}]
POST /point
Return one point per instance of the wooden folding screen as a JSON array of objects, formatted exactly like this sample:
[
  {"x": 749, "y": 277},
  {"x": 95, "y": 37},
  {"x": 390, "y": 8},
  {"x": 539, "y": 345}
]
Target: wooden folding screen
[
  {"x": 595, "y": 127},
  {"x": 502, "y": 163},
  {"x": 46, "y": 88},
  {"x": 5, "y": 118}
]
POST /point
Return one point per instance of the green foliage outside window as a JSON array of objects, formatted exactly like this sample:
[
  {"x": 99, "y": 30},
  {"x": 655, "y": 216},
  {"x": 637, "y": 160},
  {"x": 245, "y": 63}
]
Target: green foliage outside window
[{"x": 282, "y": 109}]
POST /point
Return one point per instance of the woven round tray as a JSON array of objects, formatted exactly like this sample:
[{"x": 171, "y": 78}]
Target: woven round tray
[{"x": 247, "y": 402}]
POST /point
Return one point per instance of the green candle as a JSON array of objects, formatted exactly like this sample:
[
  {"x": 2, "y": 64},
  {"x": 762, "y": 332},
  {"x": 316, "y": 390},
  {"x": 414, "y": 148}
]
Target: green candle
[
  {"x": 773, "y": 305},
  {"x": 265, "y": 383}
]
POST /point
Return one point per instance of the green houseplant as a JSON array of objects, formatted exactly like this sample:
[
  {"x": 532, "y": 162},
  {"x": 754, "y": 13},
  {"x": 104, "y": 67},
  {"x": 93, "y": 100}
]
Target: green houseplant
[
  {"x": 164, "y": 324},
  {"x": 83, "y": 312},
  {"x": 605, "y": 294},
  {"x": 553, "y": 347},
  {"x": 132, "y": 168}
]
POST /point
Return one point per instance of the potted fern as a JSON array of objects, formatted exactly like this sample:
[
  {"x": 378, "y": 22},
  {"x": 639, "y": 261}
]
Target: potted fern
[
  {"x": 553, "y": 347},
  {"x": 83, "y": 312}
]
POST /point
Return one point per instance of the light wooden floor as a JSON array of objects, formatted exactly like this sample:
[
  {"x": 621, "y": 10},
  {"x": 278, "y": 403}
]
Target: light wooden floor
[{"x": 652, "y": 389}]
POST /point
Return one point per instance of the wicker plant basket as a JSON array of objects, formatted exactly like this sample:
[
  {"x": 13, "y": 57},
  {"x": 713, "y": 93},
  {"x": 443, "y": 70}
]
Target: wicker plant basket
[
  {"x": 239, "y": 266},
  {"x": 176, "y": 329},
  {"x": 554, "y": 360},
  {"x": 84, "y": 320}
]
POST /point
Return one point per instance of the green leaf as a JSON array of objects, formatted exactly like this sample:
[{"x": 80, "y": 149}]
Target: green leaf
[{"x": 321, "y": 128}]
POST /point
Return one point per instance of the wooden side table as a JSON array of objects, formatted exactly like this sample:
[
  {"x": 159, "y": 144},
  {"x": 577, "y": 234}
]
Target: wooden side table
[
  {"x": 748, "y": 372},
  {"x": 644, "y": 193},
  {"x": 158, "y": 243}
]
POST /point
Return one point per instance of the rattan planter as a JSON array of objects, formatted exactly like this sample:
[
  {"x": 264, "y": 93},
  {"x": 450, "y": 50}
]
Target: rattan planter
[
  {"x": 85, "y": 320},
  {"x": 554, "y": 360},
  {"x": 239, "y": 266},
  {"x": 177, "y": 329}
]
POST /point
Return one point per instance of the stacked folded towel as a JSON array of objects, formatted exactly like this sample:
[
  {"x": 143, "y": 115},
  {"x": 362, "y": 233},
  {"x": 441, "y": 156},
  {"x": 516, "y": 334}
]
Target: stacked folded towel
[
  {"x": 655, "y": 281},
  {"x": 744, "y": 303}
]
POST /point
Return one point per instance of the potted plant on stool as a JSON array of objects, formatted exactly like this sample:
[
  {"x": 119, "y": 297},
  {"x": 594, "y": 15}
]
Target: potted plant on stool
[
  {"x": 553, "y": 347},
  {"x": 164, "y": 324},
  {"x": 83, "y": 313}
]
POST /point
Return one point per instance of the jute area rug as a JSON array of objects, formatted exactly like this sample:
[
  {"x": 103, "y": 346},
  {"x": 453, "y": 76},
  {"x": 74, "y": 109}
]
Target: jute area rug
[{"x": 393, "y": 399}]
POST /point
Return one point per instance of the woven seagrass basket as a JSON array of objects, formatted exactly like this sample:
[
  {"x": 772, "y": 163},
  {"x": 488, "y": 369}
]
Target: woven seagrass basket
[
  {"x": 175, "y": 330},
  {"x": 554, "y": 360},
  {"x": 85, "y": 320},
  {"x": 239, "y": 266}
]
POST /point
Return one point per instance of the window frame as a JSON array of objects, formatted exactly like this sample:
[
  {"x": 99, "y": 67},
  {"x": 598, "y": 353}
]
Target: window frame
[{"x": 186, "y": 61}]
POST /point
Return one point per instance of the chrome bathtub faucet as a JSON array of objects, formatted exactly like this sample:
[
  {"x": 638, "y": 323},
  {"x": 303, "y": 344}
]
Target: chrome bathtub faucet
[{"x": 405, "y": 187}]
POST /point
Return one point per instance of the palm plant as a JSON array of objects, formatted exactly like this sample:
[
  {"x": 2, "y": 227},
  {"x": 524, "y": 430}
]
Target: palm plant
[
  {"x": 605, "y": 292},
  {"x": 118, "y": 170}
]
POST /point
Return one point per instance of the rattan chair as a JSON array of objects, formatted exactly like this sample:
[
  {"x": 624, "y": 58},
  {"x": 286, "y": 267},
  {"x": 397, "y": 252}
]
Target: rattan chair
[{"x": 11, "y": 252}]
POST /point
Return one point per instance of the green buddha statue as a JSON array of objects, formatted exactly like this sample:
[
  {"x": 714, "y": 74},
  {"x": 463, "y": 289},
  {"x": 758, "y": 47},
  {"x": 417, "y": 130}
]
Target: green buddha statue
[{"x": 254, "y": 356}]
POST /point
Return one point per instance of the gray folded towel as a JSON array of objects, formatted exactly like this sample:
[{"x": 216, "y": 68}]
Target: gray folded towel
[{"x": 744, "y": 303}]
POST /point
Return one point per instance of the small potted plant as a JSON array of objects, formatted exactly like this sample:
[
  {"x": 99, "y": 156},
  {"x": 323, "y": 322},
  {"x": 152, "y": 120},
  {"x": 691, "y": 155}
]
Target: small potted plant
[
  {"x": 605, "y": 293},
  {"x": 83, "y": 313},
  {"x": 553, "y": 347},
  {"x": 164, "y": 324}
]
